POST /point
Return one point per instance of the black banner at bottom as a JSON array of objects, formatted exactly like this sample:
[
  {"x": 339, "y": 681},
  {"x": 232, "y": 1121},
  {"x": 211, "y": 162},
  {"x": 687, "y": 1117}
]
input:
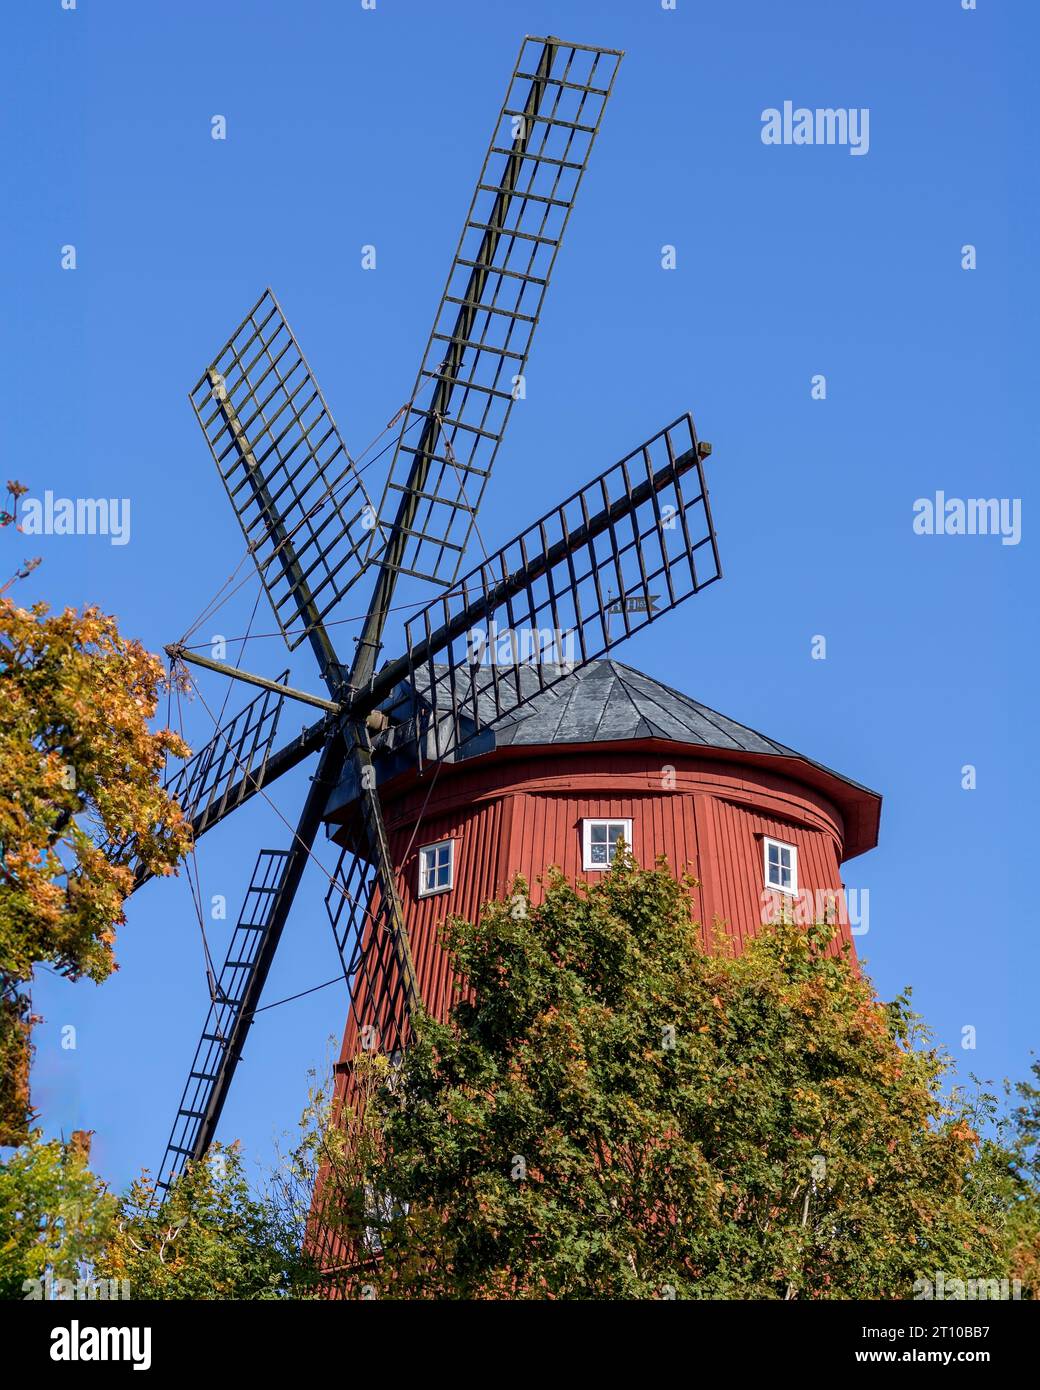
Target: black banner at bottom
[{"x": 70, "y": 1339}]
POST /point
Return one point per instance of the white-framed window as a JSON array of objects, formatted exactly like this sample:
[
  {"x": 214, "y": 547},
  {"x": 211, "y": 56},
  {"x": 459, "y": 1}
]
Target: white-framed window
[
  {"x": 781, "y": 865},
  {"x": 380, "y": 1212},
  {"x": 436, "y": 868},
  {"x": 599, "y": 841}
]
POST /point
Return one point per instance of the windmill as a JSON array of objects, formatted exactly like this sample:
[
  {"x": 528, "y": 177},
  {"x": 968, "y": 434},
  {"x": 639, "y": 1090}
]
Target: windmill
[{"x": 616, "y": 555}]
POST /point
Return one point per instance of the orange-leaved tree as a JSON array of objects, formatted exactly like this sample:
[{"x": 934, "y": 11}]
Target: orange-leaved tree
[{"x": 81, "y": 803}]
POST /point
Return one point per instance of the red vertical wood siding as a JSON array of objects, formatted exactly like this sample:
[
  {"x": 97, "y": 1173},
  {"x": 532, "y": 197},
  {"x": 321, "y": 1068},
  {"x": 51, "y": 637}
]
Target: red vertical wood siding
[{"x": 511, "y": 815}]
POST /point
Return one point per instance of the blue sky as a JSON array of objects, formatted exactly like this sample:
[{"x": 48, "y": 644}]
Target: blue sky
[{"x": 348, "y": 127}]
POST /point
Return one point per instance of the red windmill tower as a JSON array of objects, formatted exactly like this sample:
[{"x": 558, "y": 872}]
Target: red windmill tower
[
  {"x": 602, "y": 755},
  {"x": 498, "y": 741}
]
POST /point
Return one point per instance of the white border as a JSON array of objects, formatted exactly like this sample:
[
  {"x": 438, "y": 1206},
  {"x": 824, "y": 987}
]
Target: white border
[
  {"x": 443, "y": 887},
  {"x": 768, "y": 840},
  {"x": 586, "y": 838}
]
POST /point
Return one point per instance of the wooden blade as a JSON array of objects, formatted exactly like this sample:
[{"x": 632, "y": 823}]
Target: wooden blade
[
  {"x": 360, "y": 914},
  {"x": 369, "y": 929},
  {"x": 299, "y": 499},
  {"x": 476, "y": 356},
  {"x": 629, "y": 547},
  {"x": 213, "y": 781},
  {"x": 237, "y": 991},
  {"x": 228, "y": 1019},
  {"x": 232, "y": 767}
]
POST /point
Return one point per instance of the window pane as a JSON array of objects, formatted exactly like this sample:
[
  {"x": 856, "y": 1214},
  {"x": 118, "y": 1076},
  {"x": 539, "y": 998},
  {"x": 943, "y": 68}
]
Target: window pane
[
  {"x": 599, "y": 854},
  {"x": 434, "y": 867},
  {"x": 599, "y": 833}
]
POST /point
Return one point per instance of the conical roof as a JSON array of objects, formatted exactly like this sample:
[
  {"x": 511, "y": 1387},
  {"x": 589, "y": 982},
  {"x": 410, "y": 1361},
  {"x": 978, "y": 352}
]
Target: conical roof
[{"x": 608, "y": 702}]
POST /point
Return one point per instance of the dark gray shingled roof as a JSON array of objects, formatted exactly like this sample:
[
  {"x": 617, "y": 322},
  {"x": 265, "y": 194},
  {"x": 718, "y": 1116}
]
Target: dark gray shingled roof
[
  {"x": 608, "y": 702},
  {"x": 602, "y": 702}
]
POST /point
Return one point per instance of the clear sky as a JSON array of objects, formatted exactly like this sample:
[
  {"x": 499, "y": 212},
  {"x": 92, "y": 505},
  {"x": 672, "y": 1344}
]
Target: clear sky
[{"x": 348, "y": 127}]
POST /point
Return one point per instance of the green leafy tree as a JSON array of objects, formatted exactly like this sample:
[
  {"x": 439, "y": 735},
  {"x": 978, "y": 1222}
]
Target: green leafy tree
[
  {"x": 613, "y": 1111},
  {"x": 56, "y": 1217},
  {"x": 210, "y": 1239},
  {"x": 1019, "y": 1178}
]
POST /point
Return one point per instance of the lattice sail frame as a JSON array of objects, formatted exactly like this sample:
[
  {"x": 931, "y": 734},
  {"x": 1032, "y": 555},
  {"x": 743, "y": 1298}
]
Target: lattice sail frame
[
  {"x": 214, "y": 780},
  {"x": 358, "y": 910},
  {"x": 224, "y": 1015},
  {"x": 296, "y": 492},
  {"x": 625, "y": 549},
  {"x": 478, "y": 347}
]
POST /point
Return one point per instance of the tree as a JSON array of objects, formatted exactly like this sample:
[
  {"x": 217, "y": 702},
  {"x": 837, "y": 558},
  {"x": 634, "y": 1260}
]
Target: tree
[
  {"x": 611, "y": 1111},
  {"x": 56, "y": 1217},
  {"x": 80, "y": 803},
  {"x": 210, "y": 1238},
  {"x": 64, "y": 1235},
  {"x": 614, "y": 1111},
  {"x": 1021, "y": 1180}
]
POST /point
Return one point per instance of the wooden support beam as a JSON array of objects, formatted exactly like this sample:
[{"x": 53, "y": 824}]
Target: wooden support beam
[{"x": 176, "y": 652}]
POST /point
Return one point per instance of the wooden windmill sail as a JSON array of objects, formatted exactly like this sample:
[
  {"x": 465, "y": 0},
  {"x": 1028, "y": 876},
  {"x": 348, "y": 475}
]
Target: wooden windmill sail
[{"x": 613, "y": 557}]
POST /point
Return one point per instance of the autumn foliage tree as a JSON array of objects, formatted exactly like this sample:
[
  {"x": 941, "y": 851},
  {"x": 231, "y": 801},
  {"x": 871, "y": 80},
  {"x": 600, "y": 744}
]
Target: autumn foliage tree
[
  {"x": 615, "y": 1111},
  {"x": 81, "y": 800}
]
